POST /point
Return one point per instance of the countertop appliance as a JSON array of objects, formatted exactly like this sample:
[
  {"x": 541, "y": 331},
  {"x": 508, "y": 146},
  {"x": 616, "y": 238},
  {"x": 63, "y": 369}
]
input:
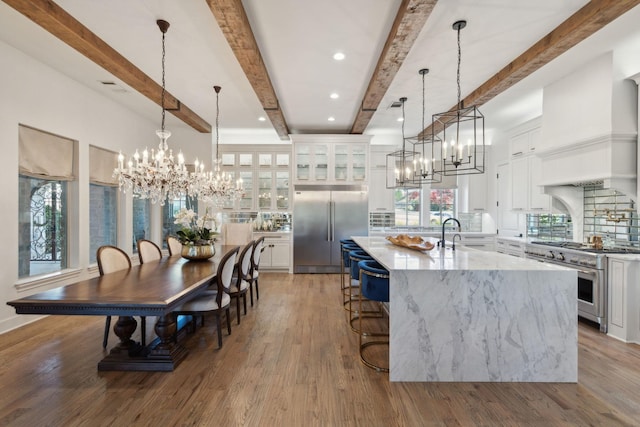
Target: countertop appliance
[
  {"x": 322, "y": 215},
  {"x": 591, "y": 264}
]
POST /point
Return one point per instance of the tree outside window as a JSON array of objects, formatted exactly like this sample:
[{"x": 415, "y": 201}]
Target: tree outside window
[
  {"x": 407, "y": 206},
  {"x": 441, "y": 206}
]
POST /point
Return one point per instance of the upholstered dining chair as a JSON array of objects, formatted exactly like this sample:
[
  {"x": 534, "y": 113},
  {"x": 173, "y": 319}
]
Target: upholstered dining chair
[
  {"x": 111, "y": 259},
  {"x": 148, "y": 251},
  {"x": 214, "y": 301},
  {"x": 258, "y": 247},
  {"x": 174, "y": 246},
  {"x": 240, "y": 283},
  {"x": 236, "y": 233}
]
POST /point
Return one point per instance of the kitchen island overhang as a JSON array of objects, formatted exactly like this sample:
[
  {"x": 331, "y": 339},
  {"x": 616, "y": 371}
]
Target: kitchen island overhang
[{"x": 474, "y": 316}]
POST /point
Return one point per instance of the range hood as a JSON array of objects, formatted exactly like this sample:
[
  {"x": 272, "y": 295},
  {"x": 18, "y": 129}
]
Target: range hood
[{"x": 589, "y": 129}]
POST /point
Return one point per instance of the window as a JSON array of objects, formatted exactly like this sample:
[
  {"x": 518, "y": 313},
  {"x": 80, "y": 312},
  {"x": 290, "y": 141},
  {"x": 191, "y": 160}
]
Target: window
[
  {"x": 169, "y": 211},
  {"x": 42, "y": 225},
  {"x": 442, "y": 205},
  {"x": 103, "y": 224},
  {"x": 46, "y": 164},
  {"x": 103, "y": 200},
  {"x": 141, "y": 221},
  {"x": 407, "y": 206}
]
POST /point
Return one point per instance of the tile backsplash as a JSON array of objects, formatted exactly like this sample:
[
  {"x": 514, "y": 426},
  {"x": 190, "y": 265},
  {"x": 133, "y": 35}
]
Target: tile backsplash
[{"x": 611, "y": 215}]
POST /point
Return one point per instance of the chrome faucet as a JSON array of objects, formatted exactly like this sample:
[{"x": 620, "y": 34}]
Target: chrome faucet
[{"x": 441, "y": 242}]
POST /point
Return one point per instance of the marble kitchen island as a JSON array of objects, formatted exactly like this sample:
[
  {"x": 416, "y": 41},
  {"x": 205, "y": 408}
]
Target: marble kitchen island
[{"x": 473, "y": 316}]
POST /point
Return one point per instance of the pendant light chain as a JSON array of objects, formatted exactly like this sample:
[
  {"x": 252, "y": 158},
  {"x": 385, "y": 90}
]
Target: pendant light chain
[
  {"x": 217, "y": 120},
  {"x": 459, "y": 61},
  {"x": 423, "y": 109},
  {"x": 163, "y": 80}
]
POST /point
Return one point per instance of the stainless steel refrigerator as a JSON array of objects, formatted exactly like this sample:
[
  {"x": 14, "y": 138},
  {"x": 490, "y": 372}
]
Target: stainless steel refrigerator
[{"x": 322, "y": 215}]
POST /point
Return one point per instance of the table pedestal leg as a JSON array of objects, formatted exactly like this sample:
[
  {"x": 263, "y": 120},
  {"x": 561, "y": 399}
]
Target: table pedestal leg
[{"x": 161, "y": 355}]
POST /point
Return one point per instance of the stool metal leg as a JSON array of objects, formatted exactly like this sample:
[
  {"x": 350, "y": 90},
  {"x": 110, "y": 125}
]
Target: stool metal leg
[{"x": 364, "y": 345}]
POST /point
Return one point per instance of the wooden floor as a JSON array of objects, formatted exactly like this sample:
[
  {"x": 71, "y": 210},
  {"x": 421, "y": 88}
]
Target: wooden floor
[{"x": 291, "y": 362}]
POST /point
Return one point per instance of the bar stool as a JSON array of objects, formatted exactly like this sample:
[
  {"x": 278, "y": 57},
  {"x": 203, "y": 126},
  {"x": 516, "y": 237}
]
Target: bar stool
[
  {"x": 374, "y": 285},
  {"x": 345, "y": 248},
  {"x": 355, "y": 256}
]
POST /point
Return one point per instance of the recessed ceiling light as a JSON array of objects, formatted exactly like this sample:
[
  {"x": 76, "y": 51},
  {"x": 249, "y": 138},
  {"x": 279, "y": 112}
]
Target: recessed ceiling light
[
  {"x": 334, "y": 96},
  {"x": 400, "y": 119},
  {"x": 262, "y": 119},
  {"x": 338, "y": 56},
  {"x": 331, "y": 119}
]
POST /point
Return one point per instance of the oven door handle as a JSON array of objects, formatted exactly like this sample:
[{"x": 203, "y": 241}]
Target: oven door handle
[{"x": 588, "y": 273}]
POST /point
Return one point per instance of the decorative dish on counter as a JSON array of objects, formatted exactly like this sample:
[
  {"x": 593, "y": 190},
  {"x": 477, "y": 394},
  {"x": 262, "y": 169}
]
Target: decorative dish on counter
[{"x": 406, "y": 241}]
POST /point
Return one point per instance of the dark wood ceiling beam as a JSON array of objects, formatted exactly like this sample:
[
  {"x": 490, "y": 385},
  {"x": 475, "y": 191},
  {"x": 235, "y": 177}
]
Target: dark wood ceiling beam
[
  {"x": 232, "y": 20},
  {"x": 585, "y": 22},
  {"x": 411, "y": 18},
  {"x": 61, "y": 24}
]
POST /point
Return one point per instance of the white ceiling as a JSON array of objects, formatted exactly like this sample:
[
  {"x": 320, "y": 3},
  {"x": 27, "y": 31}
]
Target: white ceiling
[{"x": 297, "y": 39}]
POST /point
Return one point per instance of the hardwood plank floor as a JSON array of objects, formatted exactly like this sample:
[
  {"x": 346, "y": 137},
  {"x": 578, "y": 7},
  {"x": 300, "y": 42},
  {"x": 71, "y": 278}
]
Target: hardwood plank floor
[{"x": 291, "y": 362}]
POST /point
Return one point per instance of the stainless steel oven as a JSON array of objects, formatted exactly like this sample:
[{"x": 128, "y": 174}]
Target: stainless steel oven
[{"x": 592, "y": 277}]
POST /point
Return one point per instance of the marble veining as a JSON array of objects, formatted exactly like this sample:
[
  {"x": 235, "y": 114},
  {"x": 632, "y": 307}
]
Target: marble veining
[{"x": 508, "y": 319}]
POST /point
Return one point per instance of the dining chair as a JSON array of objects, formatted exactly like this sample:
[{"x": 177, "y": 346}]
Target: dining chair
[
  {"x": 148, "y": 251},
  {"x": 174, "y": 246},
  {"x": 236, "y": 233},
  {"x": 111, "y": 259},
  {"x": 258, "y": 247},
  {"x": 214, "y": 301},
  {"x": 240, "y": 282}
]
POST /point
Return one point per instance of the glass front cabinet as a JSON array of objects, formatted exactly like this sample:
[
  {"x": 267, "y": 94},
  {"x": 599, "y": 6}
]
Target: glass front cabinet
[
  {"x": 330, "y": 162},
  {"x": 265, "y": 175}
]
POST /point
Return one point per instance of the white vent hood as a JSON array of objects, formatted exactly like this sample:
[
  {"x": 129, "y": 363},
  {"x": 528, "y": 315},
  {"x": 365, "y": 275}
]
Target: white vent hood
[{"x": 589, "y": 128}]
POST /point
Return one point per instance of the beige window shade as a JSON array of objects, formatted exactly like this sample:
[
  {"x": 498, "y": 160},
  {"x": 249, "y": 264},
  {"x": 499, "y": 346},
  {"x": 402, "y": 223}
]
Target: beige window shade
[
  {"x": 41, "y": 154},
  {"x": 101, "y": 165}
]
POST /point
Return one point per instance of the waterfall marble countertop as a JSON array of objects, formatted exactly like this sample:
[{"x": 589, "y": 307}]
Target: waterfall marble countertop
[
  {"x": 398, "y": 258},
  {"x": 471, "y": 316}
]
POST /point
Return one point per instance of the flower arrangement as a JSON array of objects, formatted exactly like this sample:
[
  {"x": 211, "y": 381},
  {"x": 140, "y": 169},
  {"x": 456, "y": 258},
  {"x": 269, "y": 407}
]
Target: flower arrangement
[{"x": 196, "y": 231}]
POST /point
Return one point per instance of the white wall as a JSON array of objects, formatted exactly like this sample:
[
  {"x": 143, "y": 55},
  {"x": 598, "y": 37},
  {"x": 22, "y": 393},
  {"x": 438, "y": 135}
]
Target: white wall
[{"x": 36, "y": 95}]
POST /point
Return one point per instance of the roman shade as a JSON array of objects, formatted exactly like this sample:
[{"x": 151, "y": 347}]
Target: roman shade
[
  {"x": 42, "y": 154},
  {"x": 102, "y": 163}
]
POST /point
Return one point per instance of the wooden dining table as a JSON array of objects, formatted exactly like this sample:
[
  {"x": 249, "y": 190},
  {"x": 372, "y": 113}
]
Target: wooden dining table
[{"x": 151, "y": 289}]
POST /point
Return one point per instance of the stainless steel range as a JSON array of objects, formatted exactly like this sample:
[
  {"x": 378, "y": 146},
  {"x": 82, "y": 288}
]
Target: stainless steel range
[{"x": 592, "y": 273}]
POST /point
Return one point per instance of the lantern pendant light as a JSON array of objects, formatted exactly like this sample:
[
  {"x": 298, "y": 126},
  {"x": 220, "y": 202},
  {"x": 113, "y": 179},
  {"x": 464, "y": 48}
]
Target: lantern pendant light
[{"x": 461, "y": 131}]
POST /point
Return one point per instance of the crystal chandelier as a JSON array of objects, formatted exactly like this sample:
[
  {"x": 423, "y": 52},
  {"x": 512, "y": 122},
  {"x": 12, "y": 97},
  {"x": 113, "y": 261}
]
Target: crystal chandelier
[
  {"x": 158, "y": 175},
  {"x": 461, "y": 131},
  {"x": 218, "y": 187}
]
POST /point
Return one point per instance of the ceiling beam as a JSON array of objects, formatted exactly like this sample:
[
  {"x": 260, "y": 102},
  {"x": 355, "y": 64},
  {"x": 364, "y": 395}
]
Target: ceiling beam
[
  {"x": 232, "y": 20},
  {"x": 411, "y": 18},
  {"x": 61, "y": 24},
  {"x": 585, "y": 22}
]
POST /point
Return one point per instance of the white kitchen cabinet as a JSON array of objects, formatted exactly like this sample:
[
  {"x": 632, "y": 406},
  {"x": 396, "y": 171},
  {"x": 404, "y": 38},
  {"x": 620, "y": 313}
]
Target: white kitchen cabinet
[
  {"x": 526, "y": 171},
  {"x": 474, "y": 187},
  {"x": 331, "y": 159},
  {"x": 508, "y": 220},
  {"x": 265, "y": 172},
  {"x": 623, "y": 280},
  {"x": 380, "y": 197},
  {"x": 510, "y": 247},
  {"x": 483, "y": 242},
  {"x": 331, "y": 163},
  {"x": 277, "y": 251}
]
